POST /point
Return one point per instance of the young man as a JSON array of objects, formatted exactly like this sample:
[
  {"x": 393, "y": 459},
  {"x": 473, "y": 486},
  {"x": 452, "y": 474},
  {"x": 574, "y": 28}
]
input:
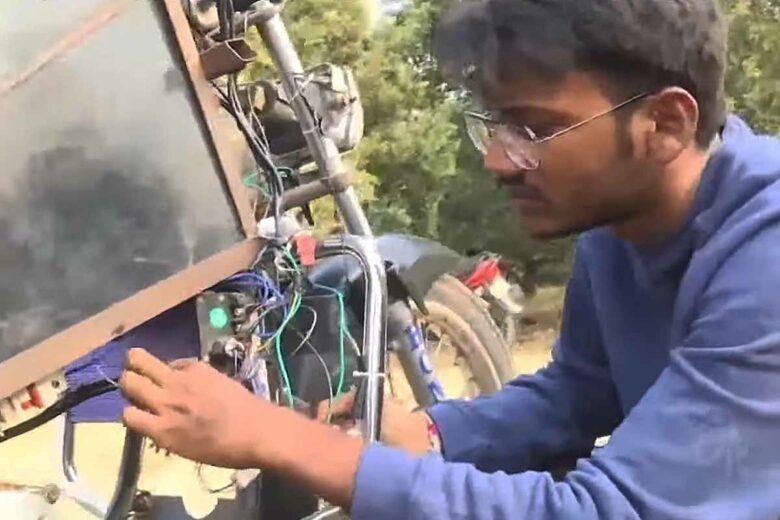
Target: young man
[{"x": 608, "y": 117}]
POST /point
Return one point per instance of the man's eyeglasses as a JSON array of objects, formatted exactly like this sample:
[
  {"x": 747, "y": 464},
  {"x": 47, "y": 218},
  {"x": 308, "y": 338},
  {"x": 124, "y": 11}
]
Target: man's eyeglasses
[{"x": 520, "y": 142}]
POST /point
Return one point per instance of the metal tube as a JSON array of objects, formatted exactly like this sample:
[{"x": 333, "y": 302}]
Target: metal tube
[
  {"x": 324, "y": 150},
  {"x": 411, "y": 369},
  {"x": 129, "y": 471},
  {"x": 375, "y": 325},
  {"x": 75, "y": 488},
  {"x": 399, "y": 321},
  {"x": 68, "y": 442}
]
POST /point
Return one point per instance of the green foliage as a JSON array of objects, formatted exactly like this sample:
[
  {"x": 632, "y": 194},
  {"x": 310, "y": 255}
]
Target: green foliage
[
  {"x": 753, "y": 81},
  {"x": 323, "y": 31},
  {"x": 412, "y": 143}
]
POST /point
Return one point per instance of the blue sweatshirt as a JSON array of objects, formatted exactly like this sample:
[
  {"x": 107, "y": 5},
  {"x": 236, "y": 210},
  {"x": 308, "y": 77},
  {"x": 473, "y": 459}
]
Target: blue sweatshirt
[{"x": 674, "y": 350}]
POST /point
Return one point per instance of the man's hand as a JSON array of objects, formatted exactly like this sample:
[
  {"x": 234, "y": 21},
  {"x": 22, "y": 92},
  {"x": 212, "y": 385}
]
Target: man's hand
[
  {"x": 400, "y": 428},
  {"x": 194, "y": 411}
]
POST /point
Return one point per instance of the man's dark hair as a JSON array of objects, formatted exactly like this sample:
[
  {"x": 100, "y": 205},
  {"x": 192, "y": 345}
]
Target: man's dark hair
[{"x": 636, "y": 46}]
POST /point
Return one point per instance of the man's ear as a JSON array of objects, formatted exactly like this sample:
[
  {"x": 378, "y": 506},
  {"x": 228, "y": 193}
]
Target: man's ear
[{"x": 673, "y": 115}]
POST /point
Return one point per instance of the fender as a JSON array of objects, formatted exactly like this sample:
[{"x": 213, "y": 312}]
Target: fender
[
  {"x": 418, "y": 262},
  {"x": 413, "y": 266}
]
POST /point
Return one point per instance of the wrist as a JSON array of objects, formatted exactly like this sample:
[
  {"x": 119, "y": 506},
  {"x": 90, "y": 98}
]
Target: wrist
[
  {"x": 316, "y": 456},
  {"x": 434, "y": 436},
  {"x": 272, "y": 437}
]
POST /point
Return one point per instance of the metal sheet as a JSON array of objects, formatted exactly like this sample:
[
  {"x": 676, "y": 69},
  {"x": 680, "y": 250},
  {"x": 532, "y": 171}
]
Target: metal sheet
[{"x": 112, "y": 178}]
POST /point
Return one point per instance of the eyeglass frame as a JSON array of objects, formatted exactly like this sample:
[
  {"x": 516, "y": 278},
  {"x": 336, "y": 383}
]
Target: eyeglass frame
[{"x": 518, "y": 130}]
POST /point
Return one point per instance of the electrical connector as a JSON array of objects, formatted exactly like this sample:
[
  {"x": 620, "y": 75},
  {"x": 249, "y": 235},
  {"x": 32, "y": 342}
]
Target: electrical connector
[{"x": 29, "y": 402}]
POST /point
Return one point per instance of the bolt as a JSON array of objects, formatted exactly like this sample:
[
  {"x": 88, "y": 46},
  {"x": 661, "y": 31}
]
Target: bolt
[{"x": 51, "y": 493}]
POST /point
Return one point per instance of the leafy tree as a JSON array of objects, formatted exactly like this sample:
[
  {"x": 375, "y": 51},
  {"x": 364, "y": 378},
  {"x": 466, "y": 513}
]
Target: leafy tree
[
  {"x": 412, "y": 142},
  {"x": 753, "y": 81}
]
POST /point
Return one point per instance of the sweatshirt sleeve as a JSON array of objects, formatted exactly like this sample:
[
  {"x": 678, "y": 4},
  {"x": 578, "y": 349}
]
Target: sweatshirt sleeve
[
  {"x": 701, "y": 444},
  {"x": 557, "y": 412}
]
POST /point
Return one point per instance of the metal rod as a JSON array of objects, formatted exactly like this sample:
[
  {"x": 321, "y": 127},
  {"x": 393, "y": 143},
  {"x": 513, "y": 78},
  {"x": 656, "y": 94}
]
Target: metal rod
[
  {"x": 328, "y": 512},
  {"x": 129, "y": 471},
  {"x": 75, "y": 488},
  {"x": 375, "y": 324},
  {"x": 324, "y": 150},
  {"x": 68, "y": 442},
  {"x": 399, "y": 321}
]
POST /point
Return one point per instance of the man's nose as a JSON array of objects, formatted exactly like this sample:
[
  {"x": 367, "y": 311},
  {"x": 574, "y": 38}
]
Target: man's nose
[{"x": 497, "y": 161}]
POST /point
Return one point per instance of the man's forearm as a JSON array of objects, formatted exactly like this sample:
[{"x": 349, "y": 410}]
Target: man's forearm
[{"x": 317, "y": 456}]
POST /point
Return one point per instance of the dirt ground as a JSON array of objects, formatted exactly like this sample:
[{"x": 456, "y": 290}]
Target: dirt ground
[{"x": 34, "y": 459}]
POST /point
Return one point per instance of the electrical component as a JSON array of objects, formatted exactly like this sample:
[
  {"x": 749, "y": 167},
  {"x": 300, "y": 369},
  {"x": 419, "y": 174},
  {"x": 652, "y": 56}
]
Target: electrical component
[
  {"x": 28, "y": 403},
  {"x": 68, "y": 399}
]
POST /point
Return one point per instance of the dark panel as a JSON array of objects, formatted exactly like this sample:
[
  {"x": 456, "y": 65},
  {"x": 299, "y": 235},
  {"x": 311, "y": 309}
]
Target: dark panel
[{"x": 108, "y": 185}]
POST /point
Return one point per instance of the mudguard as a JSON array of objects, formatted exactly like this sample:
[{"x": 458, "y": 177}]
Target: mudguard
[
  {"x": 418, "y": 262},
  {"x": 413, "y": 266}
]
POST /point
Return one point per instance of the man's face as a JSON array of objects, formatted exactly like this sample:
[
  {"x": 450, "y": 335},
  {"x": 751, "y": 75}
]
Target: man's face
[{"x": 589, "y": 177}]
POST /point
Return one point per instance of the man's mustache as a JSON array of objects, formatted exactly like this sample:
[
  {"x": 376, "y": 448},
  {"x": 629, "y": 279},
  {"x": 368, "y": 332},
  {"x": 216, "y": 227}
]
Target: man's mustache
[{"x": 519, "y": 189}]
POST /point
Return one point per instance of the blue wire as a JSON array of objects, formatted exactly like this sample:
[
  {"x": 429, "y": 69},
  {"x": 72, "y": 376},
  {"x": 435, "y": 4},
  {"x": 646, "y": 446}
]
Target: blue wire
[{"x": 270, "y": 294}]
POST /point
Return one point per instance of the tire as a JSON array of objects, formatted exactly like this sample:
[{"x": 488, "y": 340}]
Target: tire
[
  {"x": 448, "y": 292},
  {"x": 506, "y": 323}
]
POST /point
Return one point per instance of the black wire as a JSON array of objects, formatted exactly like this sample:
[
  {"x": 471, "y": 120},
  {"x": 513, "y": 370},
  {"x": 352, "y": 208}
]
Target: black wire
[
  {"x": 222, "y": 14},
  {"x": 208, "y": 488},
  {"x": 261, "y": 156},
  {"x": 69, "y": 400},
  {"x": 260, "y": 151}
]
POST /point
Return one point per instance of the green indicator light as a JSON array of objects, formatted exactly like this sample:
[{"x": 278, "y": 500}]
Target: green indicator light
[{"x": 218, "y": 318}]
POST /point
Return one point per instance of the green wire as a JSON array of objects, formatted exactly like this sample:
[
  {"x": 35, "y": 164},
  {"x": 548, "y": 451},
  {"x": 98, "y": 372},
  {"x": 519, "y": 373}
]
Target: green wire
[
  {"x": 295, "y": 306},
  {"x": 342, "y": 335},
  {"x": 252, "y": 181},
  {"x": 342, "y": 325},
  {"x": 343, "y": 331}
]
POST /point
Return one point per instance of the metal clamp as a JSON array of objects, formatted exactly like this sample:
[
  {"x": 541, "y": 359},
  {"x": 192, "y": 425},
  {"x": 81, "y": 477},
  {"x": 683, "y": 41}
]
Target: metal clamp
[
  {"x": 226, "y": 57},
  {"x": 129, "y": 472}
]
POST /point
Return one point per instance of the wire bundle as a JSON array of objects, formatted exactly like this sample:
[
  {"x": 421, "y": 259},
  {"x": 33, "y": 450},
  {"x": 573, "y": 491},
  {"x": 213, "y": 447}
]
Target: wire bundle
[
  {"x": 272, "y": 299},
  {"x": 289, "y": 303}
]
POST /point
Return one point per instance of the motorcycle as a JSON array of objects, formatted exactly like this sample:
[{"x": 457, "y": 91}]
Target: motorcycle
[{"x": 497, "y": 283}]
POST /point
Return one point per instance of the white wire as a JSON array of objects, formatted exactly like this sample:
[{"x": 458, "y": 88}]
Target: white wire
[
  {"x": 327, "y": 376},
  {"x": 309, "y": 333},
  {"x": 105, "y": 377}
]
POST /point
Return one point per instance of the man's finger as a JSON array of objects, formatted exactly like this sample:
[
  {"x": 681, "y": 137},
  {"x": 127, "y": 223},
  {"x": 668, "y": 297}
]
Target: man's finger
[
  {"x": 340, "y": 406},
  {"x": 140, "y": 421},
  {"x": 140, "y": 361},
  {"x": 141, "y": 391},
  {"x": 183, "y": 364}
]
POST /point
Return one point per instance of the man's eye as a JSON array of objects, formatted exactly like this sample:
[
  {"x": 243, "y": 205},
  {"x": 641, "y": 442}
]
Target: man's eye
[
  {"x": 538, "y": 131},
  {"x": 543, "y": 131}
]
